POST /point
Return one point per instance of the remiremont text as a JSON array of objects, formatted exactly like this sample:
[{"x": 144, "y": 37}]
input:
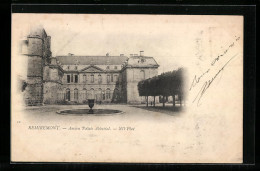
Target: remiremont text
[
  {"x": 44, "y": 127},
  {"x": 121, "y": 128}
]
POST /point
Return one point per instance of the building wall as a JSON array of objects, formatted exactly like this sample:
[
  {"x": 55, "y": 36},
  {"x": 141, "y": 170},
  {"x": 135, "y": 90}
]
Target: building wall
[
  {"x": 50, "y": 93},
  {"x": 83, "y": 88},
  {"x": 52, "y": 85},
  {"x": 133, "y": 76},
  {"x": 84, "y": 92},
  {"x": 47, "y": 78},
  {"x": 80, "y": 67},
  {"x": 123, "y": 80}
]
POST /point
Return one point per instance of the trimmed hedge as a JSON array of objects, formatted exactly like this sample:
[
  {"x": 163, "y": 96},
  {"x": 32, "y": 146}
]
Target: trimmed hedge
[{"x": 167, "y": 84}]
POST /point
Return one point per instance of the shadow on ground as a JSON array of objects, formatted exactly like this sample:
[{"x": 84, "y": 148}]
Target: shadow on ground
[{"x": 167, "y": 109}]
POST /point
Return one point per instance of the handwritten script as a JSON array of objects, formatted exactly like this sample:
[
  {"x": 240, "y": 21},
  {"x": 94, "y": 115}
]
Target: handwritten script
[{"x": 205, "y": 85}]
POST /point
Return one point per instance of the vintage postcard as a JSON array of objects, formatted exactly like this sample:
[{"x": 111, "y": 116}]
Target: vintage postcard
[{"x": 127, "y": 88}]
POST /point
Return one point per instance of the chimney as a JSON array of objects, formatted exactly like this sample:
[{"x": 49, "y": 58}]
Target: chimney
[
  {"x": 107, "y": 54},
  {"x": 131, "y": 54},
  {"x": 70, "y": 54},
  {"x": 141, "y": 53},
  {"x": 121, "y": 54}
]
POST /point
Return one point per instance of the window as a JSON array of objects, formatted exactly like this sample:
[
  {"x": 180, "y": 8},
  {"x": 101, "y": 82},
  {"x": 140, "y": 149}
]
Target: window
[
  {"x": 72, "y": 78},
  {"x": 115, "y": 67},
  {"x": 99, "y": 94},
  {"x": 99, "y": 79},
  {"x": 112, "y": 78},
  {"x": 76, "y": 94},
  {"x": 92, "y": 94},
  {"x": 92, "y": 78},
  {"x": 142, "y": 75},
  {"x": 115, "y": 78},
  {"x": 76, "y": 78},
  {"x": 108, "y": 78},
  {"x": 68, "y": 78},
  {"x": 84, "y": 94},
  {"x": 68, "y": 94},
  {"x": 108, "y": 94},
  {"x": 84, "y": 78},
  {"x": 103, "y": 94}
]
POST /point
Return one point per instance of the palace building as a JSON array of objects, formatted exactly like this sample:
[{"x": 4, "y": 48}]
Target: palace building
[{"x": 75, "y": 79}]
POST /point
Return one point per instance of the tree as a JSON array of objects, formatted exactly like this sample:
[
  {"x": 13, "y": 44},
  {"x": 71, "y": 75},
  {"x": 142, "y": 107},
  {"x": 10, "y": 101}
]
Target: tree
[{"x": 167, "y": 84}]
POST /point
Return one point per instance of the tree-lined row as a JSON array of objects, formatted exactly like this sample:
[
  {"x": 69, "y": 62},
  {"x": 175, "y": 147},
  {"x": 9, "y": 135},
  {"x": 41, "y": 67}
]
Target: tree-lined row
[{"x": 167, "y": 84}]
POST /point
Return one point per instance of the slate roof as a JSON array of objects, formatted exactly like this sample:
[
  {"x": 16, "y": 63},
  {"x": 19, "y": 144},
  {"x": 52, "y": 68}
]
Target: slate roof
[
  {"x": 92, "y": 60},
  {"x": 141, "y": 61}
]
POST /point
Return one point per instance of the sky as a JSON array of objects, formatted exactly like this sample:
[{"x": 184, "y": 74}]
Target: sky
[{"x": 171, "y": 39}]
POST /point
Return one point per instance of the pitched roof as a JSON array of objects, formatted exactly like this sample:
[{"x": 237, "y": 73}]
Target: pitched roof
[
  {"x": 91, "y": 60},
  {"x": 141, "y": 61}
]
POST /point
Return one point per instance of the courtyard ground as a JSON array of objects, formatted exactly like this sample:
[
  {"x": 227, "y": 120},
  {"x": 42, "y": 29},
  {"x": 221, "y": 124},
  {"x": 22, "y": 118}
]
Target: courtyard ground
[
  {"x": 48, "y": 112},
  {"x": 138, "y": 134}
]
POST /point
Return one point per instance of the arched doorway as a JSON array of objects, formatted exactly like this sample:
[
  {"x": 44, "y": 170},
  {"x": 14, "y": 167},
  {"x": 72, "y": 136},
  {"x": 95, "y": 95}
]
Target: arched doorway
[
  {"x": 84, "y": 94},
  {"x": 67, "y": 98},
  {"x": 108, "y": 96},
  {"x": 91, "y": 94},
  {"x": 99, "y": 94},
  {"x": 76, "y": 94}
]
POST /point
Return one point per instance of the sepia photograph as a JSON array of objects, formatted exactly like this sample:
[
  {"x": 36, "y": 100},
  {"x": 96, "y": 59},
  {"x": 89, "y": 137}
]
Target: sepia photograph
[{"x": 126, "y": 88}]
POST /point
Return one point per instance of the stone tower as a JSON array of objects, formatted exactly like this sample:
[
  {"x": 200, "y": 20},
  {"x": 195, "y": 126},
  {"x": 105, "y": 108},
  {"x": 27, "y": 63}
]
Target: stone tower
[{"x": 38, "y": 51}]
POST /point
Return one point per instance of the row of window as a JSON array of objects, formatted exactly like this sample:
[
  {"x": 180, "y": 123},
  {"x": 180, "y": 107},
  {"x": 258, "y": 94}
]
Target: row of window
[
  {"x": 92, "y": 94},
  {"x": 76, "y": 67},
  {"x": 74, "y": 78}
]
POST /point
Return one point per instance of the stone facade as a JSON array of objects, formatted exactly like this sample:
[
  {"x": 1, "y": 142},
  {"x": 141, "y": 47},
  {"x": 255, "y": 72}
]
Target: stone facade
[
  {"x": 75, "y": 79},
  {"x": 38, "y": 51},
  {"x": 137, "y": 68}
]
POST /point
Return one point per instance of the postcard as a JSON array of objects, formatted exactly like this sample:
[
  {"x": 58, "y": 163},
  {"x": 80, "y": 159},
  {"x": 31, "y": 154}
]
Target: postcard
[{"x": 126, "y": 88}]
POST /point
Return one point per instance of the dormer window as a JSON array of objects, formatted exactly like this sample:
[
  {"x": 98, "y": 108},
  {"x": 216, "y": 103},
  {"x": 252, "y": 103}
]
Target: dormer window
[
  {"x": 115, "y": 67},
  {"x": 68, "y": 67},
  {"x": 76, "y": 68},
  {"x": 107, "y": 67}
]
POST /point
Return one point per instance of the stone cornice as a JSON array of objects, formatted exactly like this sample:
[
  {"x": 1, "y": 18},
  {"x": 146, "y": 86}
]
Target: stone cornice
[
  {"x": 139, "y": 67},
  {"x": 101, "y": 72}
]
